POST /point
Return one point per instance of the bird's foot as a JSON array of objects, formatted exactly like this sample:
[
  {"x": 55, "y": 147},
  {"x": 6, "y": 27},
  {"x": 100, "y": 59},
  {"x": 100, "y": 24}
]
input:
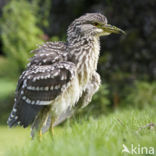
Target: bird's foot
[{"x": 40, "y": 135}]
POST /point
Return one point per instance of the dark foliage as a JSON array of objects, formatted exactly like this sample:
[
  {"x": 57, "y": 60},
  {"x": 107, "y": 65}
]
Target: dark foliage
[
  {"x": 123, "y": 58},
  {"x": 134, "y": 53}
]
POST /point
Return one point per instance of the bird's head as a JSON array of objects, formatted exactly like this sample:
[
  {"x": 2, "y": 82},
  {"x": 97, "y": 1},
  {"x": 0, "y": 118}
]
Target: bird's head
[{"x": 93, "y": 24}]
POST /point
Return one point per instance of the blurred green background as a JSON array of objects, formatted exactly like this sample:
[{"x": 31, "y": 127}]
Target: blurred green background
[
  {"x": 126, "y": 100},
  {"x": 127, "y": 64}
]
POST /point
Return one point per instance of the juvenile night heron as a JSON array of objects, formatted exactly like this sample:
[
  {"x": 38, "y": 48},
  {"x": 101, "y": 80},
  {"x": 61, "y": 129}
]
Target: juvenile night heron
[{"x": 61, "y": 76}]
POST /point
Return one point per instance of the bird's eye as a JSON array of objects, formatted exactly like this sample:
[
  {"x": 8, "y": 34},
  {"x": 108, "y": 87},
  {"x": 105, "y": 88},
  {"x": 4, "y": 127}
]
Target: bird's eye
[{"x": 95, "y": 24}]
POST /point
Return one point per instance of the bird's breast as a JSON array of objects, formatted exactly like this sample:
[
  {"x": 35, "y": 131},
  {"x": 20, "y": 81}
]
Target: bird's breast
[
  {"x": 88, "y": 63},
  {"x": 68, "y": 98}
]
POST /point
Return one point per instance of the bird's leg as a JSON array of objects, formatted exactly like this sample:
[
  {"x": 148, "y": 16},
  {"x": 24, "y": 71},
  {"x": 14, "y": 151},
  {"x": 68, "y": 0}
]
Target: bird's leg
[
  {"x": 38, "y": 124},
  {"x": 39, "y": 136},
  {"x": 40, "y": 133},
  {"x": 51, "y": 129}
]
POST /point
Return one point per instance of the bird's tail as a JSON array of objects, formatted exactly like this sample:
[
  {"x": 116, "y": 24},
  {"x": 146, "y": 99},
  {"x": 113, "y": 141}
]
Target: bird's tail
[{"x": 23, "y": 114}]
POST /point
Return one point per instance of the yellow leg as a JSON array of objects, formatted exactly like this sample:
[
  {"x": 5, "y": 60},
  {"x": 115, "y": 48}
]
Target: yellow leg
[
  {"x": 40, "y": 135},
  {"x": 51, "y": 130}
]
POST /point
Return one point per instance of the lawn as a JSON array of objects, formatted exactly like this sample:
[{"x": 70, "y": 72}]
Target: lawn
[
  {"x": 103, "y": 136},
  {"x": 7, "y": 88}
]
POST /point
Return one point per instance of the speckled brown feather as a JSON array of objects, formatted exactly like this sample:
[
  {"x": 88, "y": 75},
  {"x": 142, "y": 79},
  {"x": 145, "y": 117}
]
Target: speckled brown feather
[{"x": 40, "y": 83}]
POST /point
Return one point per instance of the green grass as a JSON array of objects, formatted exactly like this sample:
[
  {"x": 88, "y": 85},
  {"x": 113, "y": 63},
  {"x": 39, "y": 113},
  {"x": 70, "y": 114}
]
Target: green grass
[
  {"x": 103, "y": 136},
  {"x": 6, "y": 87}
]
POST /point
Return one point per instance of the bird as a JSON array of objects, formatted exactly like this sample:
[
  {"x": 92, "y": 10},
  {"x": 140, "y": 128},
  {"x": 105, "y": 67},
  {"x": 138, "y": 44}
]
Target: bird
[{"x": 61, "y": 76}]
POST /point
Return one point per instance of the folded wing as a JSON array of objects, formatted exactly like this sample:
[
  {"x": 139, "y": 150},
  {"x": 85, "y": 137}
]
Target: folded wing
[{"x": 38, "y": 86}]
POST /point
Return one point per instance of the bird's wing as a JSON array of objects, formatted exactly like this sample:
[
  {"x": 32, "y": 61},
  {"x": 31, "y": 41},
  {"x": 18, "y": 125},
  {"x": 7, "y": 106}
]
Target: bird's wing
[
  {"x": 49, "y": 53},
  {"x": 37, "y": 87}
]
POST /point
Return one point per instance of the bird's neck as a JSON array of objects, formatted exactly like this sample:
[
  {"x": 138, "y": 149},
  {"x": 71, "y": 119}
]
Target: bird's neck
[{"x": 84, "y": 53}]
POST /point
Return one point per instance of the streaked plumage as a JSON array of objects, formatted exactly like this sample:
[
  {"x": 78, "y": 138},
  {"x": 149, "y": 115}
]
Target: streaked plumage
[{"x": 60, "y": 76}]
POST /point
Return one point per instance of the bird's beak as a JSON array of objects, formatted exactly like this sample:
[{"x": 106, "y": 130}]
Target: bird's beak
[{"x": 112, "y": 29}]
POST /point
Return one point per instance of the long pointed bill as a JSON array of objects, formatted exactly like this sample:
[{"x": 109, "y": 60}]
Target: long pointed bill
[{"x": 112, "y": 29}]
